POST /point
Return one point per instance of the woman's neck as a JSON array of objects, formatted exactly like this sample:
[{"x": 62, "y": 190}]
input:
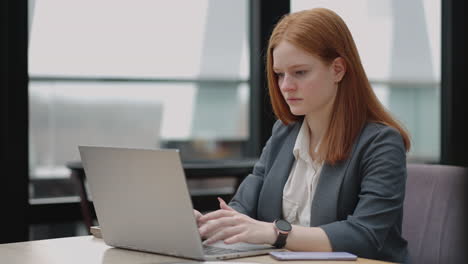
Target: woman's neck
[{"x": 318, "y": 125}]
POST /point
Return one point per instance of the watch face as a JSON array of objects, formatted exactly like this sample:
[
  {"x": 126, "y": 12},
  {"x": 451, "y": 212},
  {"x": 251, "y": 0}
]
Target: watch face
[{"x": 283, "y": 225}]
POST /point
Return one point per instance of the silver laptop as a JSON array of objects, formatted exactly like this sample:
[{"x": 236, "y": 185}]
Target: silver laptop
[{"x": 142, "y": 203}]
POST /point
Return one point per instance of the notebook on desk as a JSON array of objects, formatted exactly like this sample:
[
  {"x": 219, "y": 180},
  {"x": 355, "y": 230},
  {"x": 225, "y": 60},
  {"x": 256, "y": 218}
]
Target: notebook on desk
[{"x": 142, "y": 202}]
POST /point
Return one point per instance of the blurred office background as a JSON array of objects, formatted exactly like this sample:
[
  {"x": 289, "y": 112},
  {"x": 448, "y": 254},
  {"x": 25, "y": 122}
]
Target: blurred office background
[{"x": 188, "y": 75}]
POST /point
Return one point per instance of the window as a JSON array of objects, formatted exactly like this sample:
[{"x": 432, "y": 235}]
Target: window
[
  {"x": 137, "y": 74},
  {"x": 399, "y": 45}
]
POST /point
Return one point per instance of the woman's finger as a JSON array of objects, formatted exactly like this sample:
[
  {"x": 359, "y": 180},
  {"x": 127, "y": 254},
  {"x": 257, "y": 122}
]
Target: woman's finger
[
  {"x": 223, "y": 205},
  {"x": 197, "y": 214},
  {"x": 217, "y": 214},
  {"x": 224, "y": 233},
  {"x": 235, "y": 238},
  {"x": 213, "y": 226},
  {"x": 197, "y": 217}
]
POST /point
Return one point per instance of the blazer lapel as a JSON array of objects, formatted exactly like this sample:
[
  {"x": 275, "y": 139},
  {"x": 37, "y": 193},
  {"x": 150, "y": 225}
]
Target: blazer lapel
[
  {"x": 324, "y": 204},
  {"x": 324, "y": 208},
  {"x": 271, "y": 197}
]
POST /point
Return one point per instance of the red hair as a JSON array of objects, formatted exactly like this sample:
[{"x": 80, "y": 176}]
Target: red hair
[{"x": 322, "y": 33}]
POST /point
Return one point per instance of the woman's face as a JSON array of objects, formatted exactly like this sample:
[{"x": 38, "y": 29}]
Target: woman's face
[{"x": 307, "y": 84}]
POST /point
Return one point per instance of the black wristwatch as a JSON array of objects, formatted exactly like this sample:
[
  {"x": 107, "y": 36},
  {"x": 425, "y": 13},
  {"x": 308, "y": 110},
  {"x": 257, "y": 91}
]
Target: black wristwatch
[{"x": 283, "y": 228}]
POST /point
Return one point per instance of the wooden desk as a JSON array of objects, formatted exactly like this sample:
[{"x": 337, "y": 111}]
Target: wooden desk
[{"x": 90, "y": 250}]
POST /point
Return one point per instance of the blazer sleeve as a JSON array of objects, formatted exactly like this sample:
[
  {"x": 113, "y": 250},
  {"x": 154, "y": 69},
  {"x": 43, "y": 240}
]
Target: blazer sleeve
[
  {"x": 383, "y": 178},
  {"x": 246, "y": 198}
]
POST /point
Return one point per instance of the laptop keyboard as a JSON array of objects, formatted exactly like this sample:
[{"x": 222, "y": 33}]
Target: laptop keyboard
[{"x": 209, "y": 250}]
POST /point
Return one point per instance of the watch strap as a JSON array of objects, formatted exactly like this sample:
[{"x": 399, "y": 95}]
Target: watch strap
[{"x": 281, "y": 240}]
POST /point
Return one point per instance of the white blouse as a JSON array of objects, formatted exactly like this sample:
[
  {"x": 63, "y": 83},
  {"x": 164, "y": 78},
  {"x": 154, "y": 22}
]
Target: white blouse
[{"x": 299, "y": 190}]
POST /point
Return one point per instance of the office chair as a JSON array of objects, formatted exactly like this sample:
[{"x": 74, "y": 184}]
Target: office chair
[{"x": 434, "y": 220}]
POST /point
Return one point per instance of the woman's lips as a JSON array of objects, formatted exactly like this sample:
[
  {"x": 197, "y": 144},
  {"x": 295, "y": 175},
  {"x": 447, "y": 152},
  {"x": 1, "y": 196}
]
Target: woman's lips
[{"x": 293, "y": 100}]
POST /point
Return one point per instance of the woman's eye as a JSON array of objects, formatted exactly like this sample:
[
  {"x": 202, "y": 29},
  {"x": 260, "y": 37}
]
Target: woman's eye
[
  {"x": 300, "y": 73},
  {"x": 279, "y": 74}
]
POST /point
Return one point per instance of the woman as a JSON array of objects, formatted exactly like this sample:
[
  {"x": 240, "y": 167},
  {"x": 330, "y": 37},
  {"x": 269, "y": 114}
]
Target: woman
[{"x": 332, "y": 175}]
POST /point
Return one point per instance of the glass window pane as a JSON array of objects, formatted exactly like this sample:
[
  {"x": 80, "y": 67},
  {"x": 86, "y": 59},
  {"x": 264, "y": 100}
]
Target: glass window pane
[
  {"x": 399, "y": 45},
  {"x": 418, "y": 108},
  {"x": 64, "y": 115},
  {"x": 147, "y": 38},
  {"x": 397, "y": 40}
]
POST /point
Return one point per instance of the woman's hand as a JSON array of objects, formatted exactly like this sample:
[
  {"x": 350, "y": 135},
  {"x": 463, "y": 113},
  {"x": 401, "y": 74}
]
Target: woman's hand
[{"x": 231, "y": 226}]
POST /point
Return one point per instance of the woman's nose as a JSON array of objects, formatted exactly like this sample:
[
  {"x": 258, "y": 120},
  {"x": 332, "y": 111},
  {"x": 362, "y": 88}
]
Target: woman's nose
[{"x": 287, "y": 84}]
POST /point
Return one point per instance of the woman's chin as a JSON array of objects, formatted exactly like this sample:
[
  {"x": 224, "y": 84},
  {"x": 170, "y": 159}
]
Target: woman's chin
[{"x": 296, "y": 112}]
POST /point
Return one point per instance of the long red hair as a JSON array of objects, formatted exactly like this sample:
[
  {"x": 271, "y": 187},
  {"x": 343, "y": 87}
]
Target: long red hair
[{"x": 322, "y": 33}]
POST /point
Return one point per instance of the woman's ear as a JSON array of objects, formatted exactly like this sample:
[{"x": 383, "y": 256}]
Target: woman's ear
[{"x": 339, "y": 69}]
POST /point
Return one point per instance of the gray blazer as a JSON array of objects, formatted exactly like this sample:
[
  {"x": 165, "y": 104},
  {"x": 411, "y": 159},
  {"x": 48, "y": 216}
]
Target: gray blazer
[{"x": 358, "y": 202}]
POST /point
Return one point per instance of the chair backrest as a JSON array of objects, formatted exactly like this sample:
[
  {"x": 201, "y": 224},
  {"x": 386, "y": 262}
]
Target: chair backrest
[{"x": 434, "y": 220}]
